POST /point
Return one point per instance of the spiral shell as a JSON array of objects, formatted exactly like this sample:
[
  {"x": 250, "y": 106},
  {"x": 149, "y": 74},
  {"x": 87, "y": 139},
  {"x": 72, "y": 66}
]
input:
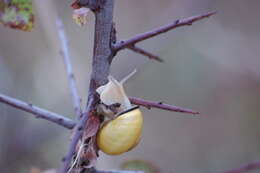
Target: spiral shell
[{"x": 121, "y": 134}]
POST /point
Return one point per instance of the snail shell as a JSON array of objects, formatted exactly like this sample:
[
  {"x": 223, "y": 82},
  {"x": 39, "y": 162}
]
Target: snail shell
[{"x": 121, "y": 134}]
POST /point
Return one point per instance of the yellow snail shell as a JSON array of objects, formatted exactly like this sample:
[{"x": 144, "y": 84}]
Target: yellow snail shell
[{"x": 121, "y": 134}]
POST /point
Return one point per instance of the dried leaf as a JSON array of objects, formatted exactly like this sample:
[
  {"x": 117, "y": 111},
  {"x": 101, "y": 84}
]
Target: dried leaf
[
  {"x": 17, "y": 14},
  {"x": 86, "y": 150},
  {"x": 90, "y": 153},
  {"x": 92, "y": 126},
  {"x": 80, "y": 16},
  {"x": 86, "y": 155}
]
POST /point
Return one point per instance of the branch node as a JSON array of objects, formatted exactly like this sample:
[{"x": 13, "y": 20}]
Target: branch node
[{"x": 80, "y": 128}]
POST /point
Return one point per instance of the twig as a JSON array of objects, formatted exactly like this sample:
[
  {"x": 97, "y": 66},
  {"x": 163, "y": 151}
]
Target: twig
[
  {"x": 67, "y": 62},
  {"x": 150, "y": 104},
  {"x": 160, "y": 30},
  {"x": 245, "y": 168},
  {"x": 76, "y": 137},
  {"x": 145, "y": 53},
  {"x": 38, "y": 112}
]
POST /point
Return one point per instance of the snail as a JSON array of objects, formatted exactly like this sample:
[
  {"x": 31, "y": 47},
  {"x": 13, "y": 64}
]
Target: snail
[{"x": 123, "y": 132}]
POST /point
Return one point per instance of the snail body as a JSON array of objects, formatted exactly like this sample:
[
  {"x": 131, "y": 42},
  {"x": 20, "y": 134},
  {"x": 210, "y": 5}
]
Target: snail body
[{"x": 123, "y": 132}]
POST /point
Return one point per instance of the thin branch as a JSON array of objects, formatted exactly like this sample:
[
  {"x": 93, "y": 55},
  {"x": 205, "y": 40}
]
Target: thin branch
[
  {"x": 160, "y": 30},
  {"x": 245, "y": 168},
  {"x": 75, "y": 139},
  {"x": 67, "y": 62},
  {"x": 38, "y": 112},
  {"x": 159, "y": 105},
  {"x": 145, "y": 53}
]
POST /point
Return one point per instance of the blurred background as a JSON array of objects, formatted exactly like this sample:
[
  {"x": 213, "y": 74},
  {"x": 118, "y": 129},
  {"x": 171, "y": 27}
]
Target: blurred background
[{"x": 211, "y": 66}]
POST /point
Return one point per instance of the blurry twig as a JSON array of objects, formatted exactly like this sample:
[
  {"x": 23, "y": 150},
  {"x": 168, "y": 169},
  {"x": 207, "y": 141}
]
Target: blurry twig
[
  {"x": 67, "y": 62},
  {"x": 143, "y": 36},
  {"x": 245, "y": 168},
  {"x": 38, "y": 112},
  {"x": 159, "y": 105},
  {"x": 145, "y": 53}
]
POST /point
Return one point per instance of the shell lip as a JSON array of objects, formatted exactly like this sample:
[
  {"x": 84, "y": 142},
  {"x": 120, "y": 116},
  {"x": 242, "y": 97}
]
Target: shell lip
[{"x": 128, "y": 110}]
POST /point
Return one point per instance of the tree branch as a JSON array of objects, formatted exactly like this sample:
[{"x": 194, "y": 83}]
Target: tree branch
[
  {"x": 178, "y": 23},
  {"x": 245, "y": 168},
  {"x": 100, "y": 69},
  {"x": 159, "y": 105},
  {"x": 67, "y": 62},
  {"x": 38, "y": 112},
  {"x": 145, "y": 53}
]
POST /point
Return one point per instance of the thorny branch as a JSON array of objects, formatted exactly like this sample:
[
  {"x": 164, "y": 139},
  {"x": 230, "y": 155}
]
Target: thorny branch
[
  {"x": 178, "y": 23},
  {"x": 38, "y": 112},
  {"x": 67, "y": 62},
  {"x": 102, "y": 57},
  {"x": 160, "y": 105},
  {"x": 68, "y": 123}
]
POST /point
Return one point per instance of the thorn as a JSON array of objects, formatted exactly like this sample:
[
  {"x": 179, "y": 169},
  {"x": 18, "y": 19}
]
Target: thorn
[
  {"x": 177, "y": 22},
  {"x": 80, "y": 128}
]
